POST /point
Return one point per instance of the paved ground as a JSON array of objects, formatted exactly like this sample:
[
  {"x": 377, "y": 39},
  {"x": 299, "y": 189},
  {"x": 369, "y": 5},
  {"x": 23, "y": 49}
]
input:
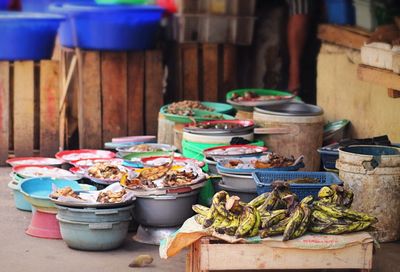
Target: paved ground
[{"x": 20, "y": 252}]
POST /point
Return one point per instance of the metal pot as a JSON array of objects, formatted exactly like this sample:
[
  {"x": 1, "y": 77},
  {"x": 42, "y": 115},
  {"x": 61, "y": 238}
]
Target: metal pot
[
  {"x": 212, "y": 166},
  {"x": 165, "y": 210}
]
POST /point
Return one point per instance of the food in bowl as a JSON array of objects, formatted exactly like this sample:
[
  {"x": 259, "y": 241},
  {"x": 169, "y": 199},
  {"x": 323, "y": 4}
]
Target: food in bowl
[
  {"x": 186, "y": 107},
  {"x": 179, "y": 177},
  {"x": 66, "y": 192},
  {"x": 111, "y": 197},
  {"x": 270, "y": 160},
  {"x": 106, "y": 171},
  {"x": 252, "y": 96},
  {"x": 144, "y": 148}
]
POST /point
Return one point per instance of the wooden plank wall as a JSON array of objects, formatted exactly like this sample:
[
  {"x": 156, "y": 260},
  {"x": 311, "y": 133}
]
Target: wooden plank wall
[
  {"x": 29, "y": 120},
  {"x": 120, "y": 94},
  {"x": 201, "y": 71}
]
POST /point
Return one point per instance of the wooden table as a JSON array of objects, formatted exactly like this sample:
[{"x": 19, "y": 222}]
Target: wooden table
[{"x": 213, "y": 254}]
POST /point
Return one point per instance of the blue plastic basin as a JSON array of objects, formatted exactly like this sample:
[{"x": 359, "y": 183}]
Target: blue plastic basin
[
  {"x": 116, "y": 27},
  {"x": 340, "y": 12},
  {"x": 27, "y": 36}
]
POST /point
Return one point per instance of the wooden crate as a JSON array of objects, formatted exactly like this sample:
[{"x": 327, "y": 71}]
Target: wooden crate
[
  {"x": 110, "y": 94},
  {"x": 29, "y": 97},
  {"x": 212, "y": 254},
  {"x": 201, "y": 71}
]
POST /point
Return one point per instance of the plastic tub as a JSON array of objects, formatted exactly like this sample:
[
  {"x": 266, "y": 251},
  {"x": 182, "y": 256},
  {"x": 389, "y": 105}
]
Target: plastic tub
[
  {"x": 329, "y": 158},
  {"x": 340, "y": 12},
  {"x": 116, "y": 27},
  {"x": 263, "y": 181},
  {"x": 195, "y": 150},
  {"x": 4, "y": 4},
  {"x": 37, "y": 190},
  {"x": 27, "y": 36},
  {"x": 20, "y": 202},
  {"x": 92, "y": 215},
  {"x": 365, "y": 16},
  {"x": 239, "y": 182},
  {"x": 44, "y": 225},
  {"x": 93, "y": 236}
]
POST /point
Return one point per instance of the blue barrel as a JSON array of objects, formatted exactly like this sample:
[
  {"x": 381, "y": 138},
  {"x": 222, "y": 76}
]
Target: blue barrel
[
  {"x": 340, "y": 12},
  {"x": 116, "y": 27},
  {"x": 27, "y": 36}
]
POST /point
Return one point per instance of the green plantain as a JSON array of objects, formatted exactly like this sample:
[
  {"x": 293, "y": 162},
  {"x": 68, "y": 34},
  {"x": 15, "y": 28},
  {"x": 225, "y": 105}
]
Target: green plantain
[
  {"x": 200, "y": 219},
  {"x": 352, "y": 227},
  {"x": 258, "y": 201},
  {"x": 293, "y": 223},
  {"x": 277, "y": 229},
  {"x": 325, "y": 192},
  {"x": 200, "y": 209},
  {"x": 274, "y": 218},
  {"x": 302, "y": 228},
  {"x": 247, "y": 221},
  {"x": 257, "y": 224},
  {"x": 233, "y": 226},
  {"x": 217, "y": 221},
  {"x": 307, "y": 200},
  {"x": 270, "y": 202},
  {"x": 330, "y": 210},
  {"x": 222, "y": 227},
  {"x": 212, "y": 212}
]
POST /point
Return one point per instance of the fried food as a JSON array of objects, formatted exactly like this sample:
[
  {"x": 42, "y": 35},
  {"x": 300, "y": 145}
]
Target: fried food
[
  {"x": 67, "y": 191},
  {"x": 186, "y": 107},
  {"x": 179, "y": 178},
  {"x": 111, "y": 197},
  {"x": 104, "y": 170}
]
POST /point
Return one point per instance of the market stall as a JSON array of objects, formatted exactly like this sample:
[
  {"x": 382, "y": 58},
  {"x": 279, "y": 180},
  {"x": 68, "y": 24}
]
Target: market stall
[{"x": 239, "y": 181}]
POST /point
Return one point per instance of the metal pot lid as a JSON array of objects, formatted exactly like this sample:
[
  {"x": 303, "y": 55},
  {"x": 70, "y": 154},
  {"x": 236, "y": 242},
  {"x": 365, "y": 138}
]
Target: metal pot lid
[{"x": 290, "y": 109}]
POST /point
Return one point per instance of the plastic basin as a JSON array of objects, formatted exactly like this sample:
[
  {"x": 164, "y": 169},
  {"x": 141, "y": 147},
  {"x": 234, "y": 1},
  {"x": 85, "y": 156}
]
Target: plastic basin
[
  {"x": 93, "y": 215},
  {"x": 28, "y": 36},
  {"x": 20, "y": 202},
  {"x": 93, "y": 236},
  {"x": 340, "y": 12},
  {"x": 37, "y": 190},
  {"x": 44, "y": 225},
  {"x": 103, "y": 27}
]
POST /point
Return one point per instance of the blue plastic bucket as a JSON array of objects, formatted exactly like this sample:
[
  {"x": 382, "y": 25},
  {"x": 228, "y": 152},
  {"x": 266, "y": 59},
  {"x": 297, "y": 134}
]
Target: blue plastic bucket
[
  {"x": 20, "y": 202},
  {"x": 27, "y": 36},
  {"x": 340, "y": 12},
  {"x": 117, "y": 28}
]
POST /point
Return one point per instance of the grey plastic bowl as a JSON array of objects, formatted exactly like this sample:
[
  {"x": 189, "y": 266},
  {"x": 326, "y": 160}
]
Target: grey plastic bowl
[
  {"x": 240, "y": 182},
  {"x": 92, "y": 215},
  {"x": 93, "y": 236},
  {"x": 245, "y": 195},
  {"x": 165, "y": 210},
  {"x": 212, "y": 166}
]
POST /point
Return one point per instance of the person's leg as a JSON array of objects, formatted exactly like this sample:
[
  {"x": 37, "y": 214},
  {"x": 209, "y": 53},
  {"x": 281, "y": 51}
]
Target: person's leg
[{"x": 297, "y": 36}]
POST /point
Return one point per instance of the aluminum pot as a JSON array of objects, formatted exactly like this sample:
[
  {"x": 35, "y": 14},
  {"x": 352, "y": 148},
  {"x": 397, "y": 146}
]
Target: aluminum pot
[{"x": 165, "y": 210}]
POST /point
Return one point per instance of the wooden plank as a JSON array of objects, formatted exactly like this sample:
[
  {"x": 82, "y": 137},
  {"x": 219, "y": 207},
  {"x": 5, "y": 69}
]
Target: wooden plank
[
  {"x": 114, "y": 94},
  {"x": 341, "y": 36},
  {"x": 260, "y": 257},
  {"x": 190, "y": 71},
  {"x": 229, "y": 73},
  {"x": 210, "y": 72},
  {"x": 49, "y": 110},
  {"x": 393, "y": 93},
  {"x": 4, "y": 111},
  {"x": 135, "y": 110},
  {"x": 378, "y": 76},
  {"x": 24, "y": 87},
  {"x": 89, "y": 100},
  {"x": 154, "y": 90}
]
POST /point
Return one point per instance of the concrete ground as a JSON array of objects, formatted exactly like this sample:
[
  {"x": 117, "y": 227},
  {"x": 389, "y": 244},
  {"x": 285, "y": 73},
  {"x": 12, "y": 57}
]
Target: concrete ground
[{"x": 21, "y": 252}]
